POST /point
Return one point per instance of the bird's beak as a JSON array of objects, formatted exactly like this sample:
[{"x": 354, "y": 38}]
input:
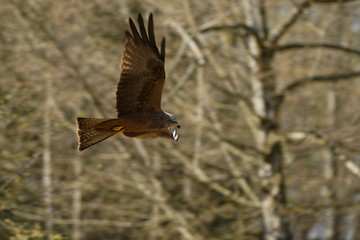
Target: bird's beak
[{"x": 173, "y": 130}]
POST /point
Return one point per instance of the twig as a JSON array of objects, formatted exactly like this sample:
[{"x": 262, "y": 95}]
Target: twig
[
  {"x": 208, "y": 53},
  {"x": 286, "y": 25},
  {"x": 333, "y": 1},
  {"x": 321, "y": 78},
  {"x": 59, "y": 221},
  {"x": 180, "y": 82},
  {"x": 294, "y": 46},
  {"x": 200, "y": 175},
  {"x": 175, "y": 61},
  {"x": 264, "y": 19},
  {"x": 245, "y": 27},
  {"x": 189, "y": 41}
]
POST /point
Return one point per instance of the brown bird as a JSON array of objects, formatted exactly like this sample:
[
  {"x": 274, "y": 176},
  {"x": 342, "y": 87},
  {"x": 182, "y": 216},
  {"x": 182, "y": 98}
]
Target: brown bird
[{"x": 138, "y": 96}]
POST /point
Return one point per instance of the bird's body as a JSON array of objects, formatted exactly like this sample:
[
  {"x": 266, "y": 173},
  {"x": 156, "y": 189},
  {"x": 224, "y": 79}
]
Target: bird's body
[
  {"x": 138, "y": 94},
  {"x": 145, "y": 121}
]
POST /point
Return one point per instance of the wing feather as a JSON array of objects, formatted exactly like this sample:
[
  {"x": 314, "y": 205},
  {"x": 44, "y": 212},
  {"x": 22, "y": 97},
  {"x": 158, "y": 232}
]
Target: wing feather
[
  {"x": 142, "y": 29},
  {"x": 151, "y": 32},
  {"x": 134, "y": 30},
  {"x": 142, "y": 71}
]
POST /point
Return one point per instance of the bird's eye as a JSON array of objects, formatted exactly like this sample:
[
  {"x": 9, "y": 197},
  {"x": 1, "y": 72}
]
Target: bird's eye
[{"x": 178, "y": 126}]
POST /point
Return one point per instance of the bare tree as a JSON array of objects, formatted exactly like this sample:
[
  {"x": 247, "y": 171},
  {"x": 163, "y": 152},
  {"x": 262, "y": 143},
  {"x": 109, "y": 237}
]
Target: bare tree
[{"x": 266, "y": 92}]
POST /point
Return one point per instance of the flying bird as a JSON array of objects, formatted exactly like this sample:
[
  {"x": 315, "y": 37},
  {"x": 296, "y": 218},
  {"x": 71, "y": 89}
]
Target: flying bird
[{"x": 138, "y": 95}]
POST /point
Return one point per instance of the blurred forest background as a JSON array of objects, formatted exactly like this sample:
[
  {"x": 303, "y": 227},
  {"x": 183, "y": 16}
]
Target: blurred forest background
[{"x": 267, "y": 93}]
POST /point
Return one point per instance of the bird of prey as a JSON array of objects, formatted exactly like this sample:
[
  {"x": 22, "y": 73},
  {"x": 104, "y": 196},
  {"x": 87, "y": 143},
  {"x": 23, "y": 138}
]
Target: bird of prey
[{"x": 138, "y": 96}]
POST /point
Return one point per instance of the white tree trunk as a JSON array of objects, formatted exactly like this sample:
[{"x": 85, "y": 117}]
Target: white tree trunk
[
  {"x": 76, "y": 212},
  {"x": 46, "y": 177},
  {"x": 271, "y": 220}
]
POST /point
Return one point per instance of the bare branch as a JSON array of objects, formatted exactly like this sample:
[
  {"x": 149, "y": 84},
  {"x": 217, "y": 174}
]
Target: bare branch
[
  {"x": 75, "y": 69},
  {"x": 60, "y": 221},
  {"x": 321, "y": 78},
  {"x": 353, "y": 168},
  {"x": 287, "y": 24},
  {"x": 333, "y": 1},
  {"x": 242, "y": 26},
  {"x": 245, "y": 147},
  {"x": 338, "y": 143},
  {"x": 264, "y": 20},
  {"x": 202, "y": 40},
  {"x": 294, "y": 46},
  {"x": 200, "y": 176},
  {"x": 189, "y": 41}
]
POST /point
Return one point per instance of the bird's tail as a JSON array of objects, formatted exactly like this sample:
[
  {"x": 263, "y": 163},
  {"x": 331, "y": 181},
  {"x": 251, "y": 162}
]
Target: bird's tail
[{"x": 89, "y": 132}]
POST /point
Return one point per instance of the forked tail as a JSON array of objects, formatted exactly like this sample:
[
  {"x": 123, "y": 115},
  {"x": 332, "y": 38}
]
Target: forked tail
[{"x": 89, "y": 133}]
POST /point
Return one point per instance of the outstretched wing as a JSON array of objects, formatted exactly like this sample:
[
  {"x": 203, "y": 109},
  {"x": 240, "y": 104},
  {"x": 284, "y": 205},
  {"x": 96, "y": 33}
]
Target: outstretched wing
[{"x": 142, "y": 71}]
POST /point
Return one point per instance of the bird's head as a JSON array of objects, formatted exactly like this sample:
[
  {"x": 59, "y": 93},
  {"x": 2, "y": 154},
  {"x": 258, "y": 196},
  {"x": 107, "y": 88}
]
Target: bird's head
[{"x": 173, "y": 125}]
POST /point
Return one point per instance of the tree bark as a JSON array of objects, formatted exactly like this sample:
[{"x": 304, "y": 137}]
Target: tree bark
[
  {"x": 265, "y": 105},
  {"x": 46, "y": 176},
  {"x": 76, "y": 213}
]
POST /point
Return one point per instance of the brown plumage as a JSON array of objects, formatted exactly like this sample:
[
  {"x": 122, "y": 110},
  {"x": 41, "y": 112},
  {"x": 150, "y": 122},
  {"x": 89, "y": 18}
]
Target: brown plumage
[{"x": 138, "y": 96}]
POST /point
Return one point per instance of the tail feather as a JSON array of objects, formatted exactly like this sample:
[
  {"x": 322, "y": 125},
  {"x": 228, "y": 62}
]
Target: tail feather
[{"x": 88, "y": 134}]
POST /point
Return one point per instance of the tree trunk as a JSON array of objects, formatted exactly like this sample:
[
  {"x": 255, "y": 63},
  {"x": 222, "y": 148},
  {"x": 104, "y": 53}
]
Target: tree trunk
[
  {"x": 46, "y": 177},
  {"x": 76, "y": 213},
  {"x": 265, "y": 105}
]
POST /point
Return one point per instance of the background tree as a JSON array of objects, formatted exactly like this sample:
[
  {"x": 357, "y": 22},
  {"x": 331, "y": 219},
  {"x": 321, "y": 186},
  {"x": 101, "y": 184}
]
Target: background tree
[{"x": 267, "y": 95}]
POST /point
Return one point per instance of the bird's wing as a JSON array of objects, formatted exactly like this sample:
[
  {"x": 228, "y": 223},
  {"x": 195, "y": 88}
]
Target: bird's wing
[
  {"x": 171, "y": 133},
  {"x": 142, "y": 71}
]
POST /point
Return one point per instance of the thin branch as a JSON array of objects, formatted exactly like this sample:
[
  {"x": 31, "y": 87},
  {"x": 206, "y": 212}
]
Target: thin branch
[
  {"x": 321, "y": 78},
  {"x": 180, "y": 82},
  {"x": 51, "y": 37},
  {"x": 189, "y": 41},
  {"x": 333, "y": 1},
  {"x": 264, "y": 19},
  {"x": 292, "y": 19},
  {"x": 142, "y": 184},
  {"x": 285, "y": 26},
  {"x": 338, "y": 144},
  {"x": 21, "y": 170},
  {"x": 242, "y": 26},
  {"x": 244, "y": 147},
  {"x": 201, "y": 88},
  {"x": 104, "y": 222},
  {"x": 202, "y": 40},
  {"x": 244, "y": 98},
  {"x": 200, "y": 176},
  {"x": 175, "y": 61},
  {"x": 294, "y": 46}
]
